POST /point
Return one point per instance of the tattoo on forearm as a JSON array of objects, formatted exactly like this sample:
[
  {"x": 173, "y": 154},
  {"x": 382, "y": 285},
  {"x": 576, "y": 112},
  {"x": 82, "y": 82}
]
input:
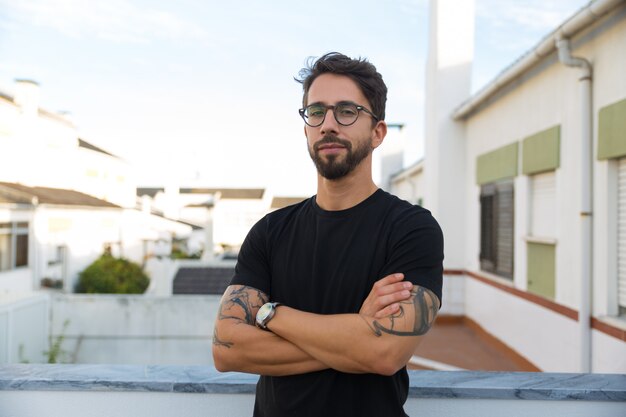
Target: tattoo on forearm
[
  {"x": 425, "y": 305},
  {"x": 239, "y": 304},
  {"x": 218, "y": 342}
]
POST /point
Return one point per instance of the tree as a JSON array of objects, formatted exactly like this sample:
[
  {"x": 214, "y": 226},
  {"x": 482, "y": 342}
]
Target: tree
[{"x": 109, "y": 275}]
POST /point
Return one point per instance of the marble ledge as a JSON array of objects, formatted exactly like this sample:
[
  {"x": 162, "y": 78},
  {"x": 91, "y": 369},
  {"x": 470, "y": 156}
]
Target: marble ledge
[{"x": 203, "y": 379}]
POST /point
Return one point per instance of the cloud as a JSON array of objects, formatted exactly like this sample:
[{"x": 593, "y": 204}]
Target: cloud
[
  {"x": 534, "y": 15},
  {"x": 114, "y": 20},
  {"x": 518, "y": 25}
]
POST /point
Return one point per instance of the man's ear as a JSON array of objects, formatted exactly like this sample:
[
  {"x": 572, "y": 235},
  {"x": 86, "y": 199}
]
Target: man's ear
[{"x": 378, "y": 134}]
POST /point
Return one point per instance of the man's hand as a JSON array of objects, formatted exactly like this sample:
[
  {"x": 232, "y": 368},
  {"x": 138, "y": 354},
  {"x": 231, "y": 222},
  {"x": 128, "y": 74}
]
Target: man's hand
[{"x": 383, "y": 300}]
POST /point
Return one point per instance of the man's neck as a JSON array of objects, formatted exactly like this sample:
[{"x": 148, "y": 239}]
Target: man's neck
[{"x": 346, "y": 192}]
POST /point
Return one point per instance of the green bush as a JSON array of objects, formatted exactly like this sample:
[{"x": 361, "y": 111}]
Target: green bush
[{"x": 109, "y": 275}]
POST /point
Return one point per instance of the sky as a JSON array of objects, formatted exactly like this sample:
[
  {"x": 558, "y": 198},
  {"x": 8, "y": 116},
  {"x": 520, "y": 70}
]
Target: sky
[{"x": 202, "y": 92}]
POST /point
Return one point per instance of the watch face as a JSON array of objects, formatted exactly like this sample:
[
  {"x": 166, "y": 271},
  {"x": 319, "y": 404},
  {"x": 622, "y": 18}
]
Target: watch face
[{"x": 264, "y": 311}]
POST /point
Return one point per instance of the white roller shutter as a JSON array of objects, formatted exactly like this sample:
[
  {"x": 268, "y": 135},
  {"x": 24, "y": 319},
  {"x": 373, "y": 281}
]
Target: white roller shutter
[
  {"x": 543, "y": 205},
  {"x": 621, "y": 232}
]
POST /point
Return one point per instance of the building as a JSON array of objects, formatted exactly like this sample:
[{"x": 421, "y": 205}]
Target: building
[
  {"x": 226, "y": 214},
  {"x": 51, "y": 153},
  {"x": 528, "y": 180},
  {"x": 64, "y": 199}
]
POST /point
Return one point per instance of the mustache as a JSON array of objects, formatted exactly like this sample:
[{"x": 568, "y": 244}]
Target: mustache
[{"x": 328, "y": 139}]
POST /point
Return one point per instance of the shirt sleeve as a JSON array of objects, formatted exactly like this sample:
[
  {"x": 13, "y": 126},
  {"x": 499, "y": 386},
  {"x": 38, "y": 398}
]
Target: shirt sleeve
[
  {"x": 252, "y": 268},
  {"x": 416, "y": 250}
]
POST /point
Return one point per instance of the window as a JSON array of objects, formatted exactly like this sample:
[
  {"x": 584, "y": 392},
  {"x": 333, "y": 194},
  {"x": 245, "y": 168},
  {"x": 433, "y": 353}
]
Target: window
[
  {"x": 13, "y": 245},
  {"x": 496, "y": 228},
  {"x": 543, "y": 205},
  {"x": 541, "y": 244}
]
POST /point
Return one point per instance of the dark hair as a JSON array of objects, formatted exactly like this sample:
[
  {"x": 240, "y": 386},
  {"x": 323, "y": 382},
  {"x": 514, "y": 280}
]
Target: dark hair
[{"x": 360, "y": 70}]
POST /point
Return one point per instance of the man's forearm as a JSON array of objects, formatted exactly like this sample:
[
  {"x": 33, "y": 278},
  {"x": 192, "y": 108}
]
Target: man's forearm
[
  {"x": 342, "y": 341},
  {"x": 358, "y": 343},
  {"x": 238, "y": 345},
  {"x": 245, "y": 348}
]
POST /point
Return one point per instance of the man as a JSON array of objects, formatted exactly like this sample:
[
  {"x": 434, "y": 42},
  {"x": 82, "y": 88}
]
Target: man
[{"x": 342, "y": 286}]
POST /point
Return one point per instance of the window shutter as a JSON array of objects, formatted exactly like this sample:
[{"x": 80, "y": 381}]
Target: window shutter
[
  {"x": 505, "y": 228},
  {"x": 543, "y": 205},
  {"x": 621, "y": 233},
  {"x": 487, "y": 228}
]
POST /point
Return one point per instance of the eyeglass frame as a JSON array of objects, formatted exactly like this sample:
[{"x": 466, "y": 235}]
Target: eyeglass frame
[{"x": 358, "y": 107}]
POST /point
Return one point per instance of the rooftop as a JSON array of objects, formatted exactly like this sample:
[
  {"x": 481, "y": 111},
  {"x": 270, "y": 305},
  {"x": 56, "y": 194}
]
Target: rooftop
[
  {"x": 226, "y": 193},
  {"x": 23, "y": 194},
  {"x": 460, "y": 343}
]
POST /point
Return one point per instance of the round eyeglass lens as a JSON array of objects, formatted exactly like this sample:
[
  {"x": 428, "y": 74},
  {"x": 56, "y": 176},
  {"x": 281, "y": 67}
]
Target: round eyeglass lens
[
  {"x": 315, "y": 114},
  {"x": 346, "y": 114}
]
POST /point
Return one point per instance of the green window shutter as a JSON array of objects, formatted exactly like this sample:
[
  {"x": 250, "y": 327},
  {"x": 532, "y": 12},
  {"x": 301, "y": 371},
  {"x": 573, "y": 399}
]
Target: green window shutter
[
  {"x": 541, "y": 268},
  {"x": 612, "y": 131},
  {"x": 540, "y": 152},
  {"x": 497, "y": 165}
]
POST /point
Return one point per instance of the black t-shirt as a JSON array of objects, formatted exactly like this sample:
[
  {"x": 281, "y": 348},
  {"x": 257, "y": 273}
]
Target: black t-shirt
[{"x": 326, "y": 262}]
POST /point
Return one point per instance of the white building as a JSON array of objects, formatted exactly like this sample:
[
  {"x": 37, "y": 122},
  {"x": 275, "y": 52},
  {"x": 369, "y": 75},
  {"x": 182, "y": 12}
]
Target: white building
[
  {"x": 226, "y": 214},
  {"x": 528, "y": 180},
  {"x": 63, "y": 199},
  {"x": 49, "y": 235},
  {"x": 47, "y": 151}
]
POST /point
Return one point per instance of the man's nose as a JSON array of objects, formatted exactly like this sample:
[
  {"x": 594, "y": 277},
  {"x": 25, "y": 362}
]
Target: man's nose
[{"x": 329, "y": 125}]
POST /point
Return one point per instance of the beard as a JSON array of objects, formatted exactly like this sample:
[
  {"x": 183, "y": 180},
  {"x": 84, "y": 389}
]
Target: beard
[{"x": 334, "y": 167}]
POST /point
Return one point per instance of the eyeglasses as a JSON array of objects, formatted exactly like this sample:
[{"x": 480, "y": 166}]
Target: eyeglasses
[{"x": 345, "y": 113}]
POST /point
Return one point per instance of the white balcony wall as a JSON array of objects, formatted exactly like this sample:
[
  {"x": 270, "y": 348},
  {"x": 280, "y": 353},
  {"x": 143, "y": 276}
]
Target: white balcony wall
[
  {"x": 138, "y": 329},
  {"x": 23, "y": 328},
  {"x": 159, "y": 404}
]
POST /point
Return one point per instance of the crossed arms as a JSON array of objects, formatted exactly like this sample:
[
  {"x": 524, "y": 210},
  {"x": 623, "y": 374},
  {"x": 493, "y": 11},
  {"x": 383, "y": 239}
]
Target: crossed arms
[{"x": 379, "y": 339}]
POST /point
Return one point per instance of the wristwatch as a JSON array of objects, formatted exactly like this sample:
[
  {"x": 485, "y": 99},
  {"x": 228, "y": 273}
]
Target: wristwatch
[{"x": 265, "y": 314}]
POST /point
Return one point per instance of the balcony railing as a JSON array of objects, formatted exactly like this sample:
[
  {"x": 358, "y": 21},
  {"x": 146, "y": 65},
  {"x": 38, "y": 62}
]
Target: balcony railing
[{"x": 189, "y": 391}]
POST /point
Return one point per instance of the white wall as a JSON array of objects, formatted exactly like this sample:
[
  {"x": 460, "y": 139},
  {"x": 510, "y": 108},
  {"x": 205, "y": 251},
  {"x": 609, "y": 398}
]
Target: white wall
[
  {"x": 23, "y": 328},
  {"x": 448, "y": 82},
  {"x": 83, "y": 231},
  {"x": 410, "y": 185},
  {"x": 233, "y": 219},
  {"x": 453, "y": 296},
  {"x": 123, "y": 329},
  {"x": 547, "y": 339},
  {"x": 104, "y": 176},
  {"x": 157, "y": 404}
]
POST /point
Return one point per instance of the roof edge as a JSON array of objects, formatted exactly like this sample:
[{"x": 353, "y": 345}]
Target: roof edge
[{"x": 412, "y": 169}]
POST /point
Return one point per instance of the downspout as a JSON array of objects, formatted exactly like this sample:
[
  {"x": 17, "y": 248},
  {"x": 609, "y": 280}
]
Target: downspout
[{"x": 584, "y": 312}]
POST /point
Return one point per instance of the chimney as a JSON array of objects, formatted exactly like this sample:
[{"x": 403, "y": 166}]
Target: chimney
[{"x": 27, "y": 96}]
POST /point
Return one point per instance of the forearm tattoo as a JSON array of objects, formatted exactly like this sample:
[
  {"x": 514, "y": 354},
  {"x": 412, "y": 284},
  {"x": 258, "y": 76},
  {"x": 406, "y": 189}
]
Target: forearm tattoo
[
  {"x": 425, "y": 306},
  {"x": 240, "y": 304}
]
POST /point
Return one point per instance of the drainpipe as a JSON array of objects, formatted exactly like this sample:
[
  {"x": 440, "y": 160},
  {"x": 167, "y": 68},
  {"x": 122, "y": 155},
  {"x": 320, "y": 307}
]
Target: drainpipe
[{"x": 584, "y": 312}]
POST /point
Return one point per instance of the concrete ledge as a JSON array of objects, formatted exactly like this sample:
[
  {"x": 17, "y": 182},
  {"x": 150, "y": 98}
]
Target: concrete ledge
[{"x": 202, "y": 379}]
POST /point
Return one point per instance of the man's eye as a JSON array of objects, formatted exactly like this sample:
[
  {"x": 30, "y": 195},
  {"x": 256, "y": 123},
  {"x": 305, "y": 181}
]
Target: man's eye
[
  {"x": 348, "y": 111},
  {"x": 315, "y": 111}
]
